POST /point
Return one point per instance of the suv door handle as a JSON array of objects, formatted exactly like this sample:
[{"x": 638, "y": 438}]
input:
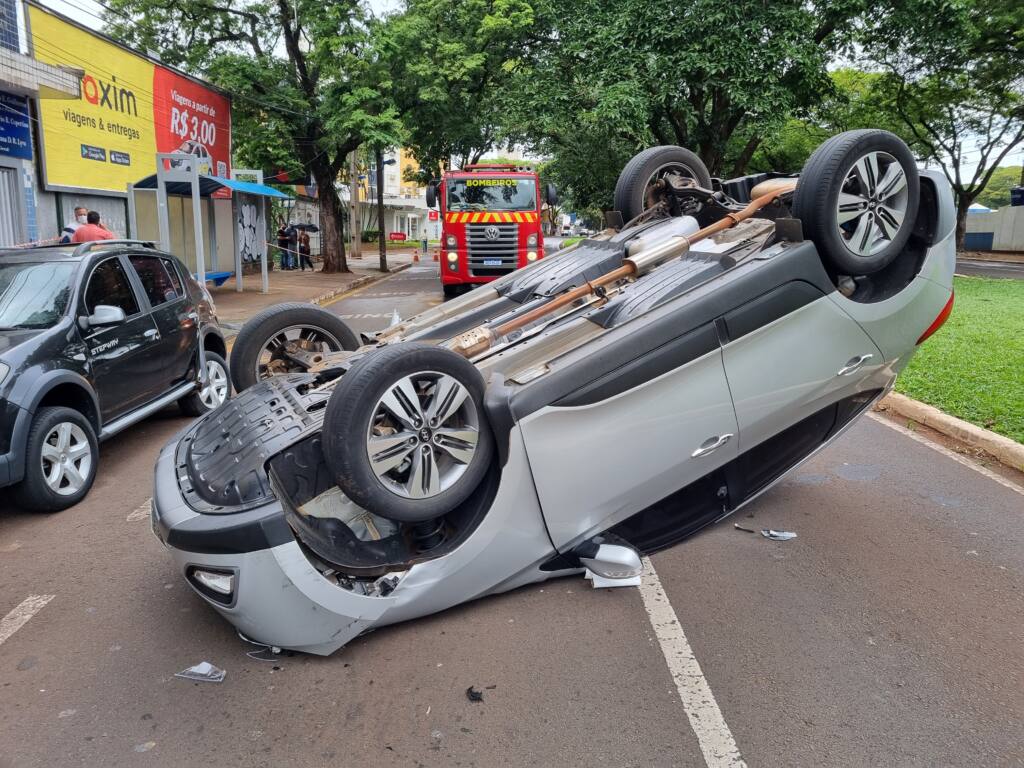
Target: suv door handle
[
  {"x": 152, "y": 333},
  {"x": 853, "y": 364},
  {"x": 711, "y": 445}
]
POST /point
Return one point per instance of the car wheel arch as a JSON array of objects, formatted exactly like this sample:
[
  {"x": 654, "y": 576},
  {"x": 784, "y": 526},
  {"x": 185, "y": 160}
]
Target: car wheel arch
[{"x": 71, "y": 391}]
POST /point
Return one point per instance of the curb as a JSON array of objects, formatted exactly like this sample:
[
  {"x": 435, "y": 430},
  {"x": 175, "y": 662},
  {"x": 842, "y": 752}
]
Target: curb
[
  {"x": 359, "y": 283},
  {"x": 1007, "y": 451}
]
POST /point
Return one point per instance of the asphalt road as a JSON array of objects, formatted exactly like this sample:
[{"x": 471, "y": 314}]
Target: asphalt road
[
  {"x": 984, "y": 268},
  {"x": 889, "y": 632}
]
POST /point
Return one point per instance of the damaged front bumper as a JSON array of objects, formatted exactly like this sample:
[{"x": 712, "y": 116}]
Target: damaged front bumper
[{"x": 276, "y": 595}]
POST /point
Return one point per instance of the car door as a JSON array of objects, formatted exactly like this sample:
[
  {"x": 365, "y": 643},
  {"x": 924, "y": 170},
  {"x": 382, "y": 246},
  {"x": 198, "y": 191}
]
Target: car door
[
  {"x": 595, "y": 465},
  {"x": 125, "y": 359},
  {"x": 790, "y": 354},
  {"x": 172, "y": 311}
]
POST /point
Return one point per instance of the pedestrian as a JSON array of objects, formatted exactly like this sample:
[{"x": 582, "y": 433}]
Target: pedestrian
[
  {"x": 91, "y": 230},
  {"x": 282, "y": 245},
  {"x": 81, "y": 212},
  {"x": 293, "y": 246},
  {"x": 304, "y": 251}
]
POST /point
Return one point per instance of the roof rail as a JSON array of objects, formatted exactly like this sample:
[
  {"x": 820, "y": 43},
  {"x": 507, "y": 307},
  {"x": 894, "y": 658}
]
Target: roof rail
[{"x": 84, "y": 248}]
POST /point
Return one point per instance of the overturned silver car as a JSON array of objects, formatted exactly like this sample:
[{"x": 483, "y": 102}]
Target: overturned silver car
[{"x": 603, "y": 403}]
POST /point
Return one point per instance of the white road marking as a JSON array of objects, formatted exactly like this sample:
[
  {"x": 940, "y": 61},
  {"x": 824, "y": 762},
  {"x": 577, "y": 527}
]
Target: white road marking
[
  {"x": 142, "y": 512},
  {"x": 17, "y": 618},
  {"x": 363, "y": 316},
  {"x": 713, "y": 734},
  {"x": 946, "y": 452}
]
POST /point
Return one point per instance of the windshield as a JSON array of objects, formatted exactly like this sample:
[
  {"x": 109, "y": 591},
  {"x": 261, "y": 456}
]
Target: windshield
[
  {"x": 34, "y": 295},
  {"x": 492, "y": 194}
]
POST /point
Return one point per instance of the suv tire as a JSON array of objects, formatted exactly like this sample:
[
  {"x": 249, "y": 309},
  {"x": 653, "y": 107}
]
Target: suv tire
[
  {"x": 217, "y": 392},
  {"x": 61, "y": 457}
]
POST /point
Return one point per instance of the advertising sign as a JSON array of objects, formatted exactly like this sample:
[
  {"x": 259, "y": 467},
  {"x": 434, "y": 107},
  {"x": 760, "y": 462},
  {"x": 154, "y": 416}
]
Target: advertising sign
[
  {"x": 130, "y": 108},
  {"x": 15, "y": 135}
]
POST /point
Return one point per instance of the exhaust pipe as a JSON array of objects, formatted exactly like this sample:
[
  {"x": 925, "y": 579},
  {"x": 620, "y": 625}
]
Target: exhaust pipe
[{"x": 480, "y": 339}]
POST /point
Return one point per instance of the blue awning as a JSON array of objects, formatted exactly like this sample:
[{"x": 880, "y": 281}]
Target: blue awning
[{"x": 210, "y": 184}]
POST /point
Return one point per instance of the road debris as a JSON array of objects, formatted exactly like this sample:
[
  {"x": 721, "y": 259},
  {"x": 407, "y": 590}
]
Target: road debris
[
  {"x": 204, "y": 671},
  {"x": 768, "y": 533},
  {"x": 739, "y": 527},
  {"x": 474, "y": 695}
]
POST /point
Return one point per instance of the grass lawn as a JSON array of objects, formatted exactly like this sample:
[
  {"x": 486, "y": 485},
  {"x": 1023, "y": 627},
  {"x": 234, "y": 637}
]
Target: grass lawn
[{"x": 973, "y": 367}]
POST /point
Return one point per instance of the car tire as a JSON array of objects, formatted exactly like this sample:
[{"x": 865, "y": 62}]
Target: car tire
[
  {"x": 56, "y": 434},
  {"x": 421, "y": 470},
  {"x": 857, "y": 199},
  {"x": 451, "y": 291},
  {"x": 215, "y": 394},
  {"x": 324, "y": 329},
  {"x": 631, "y": 189}
]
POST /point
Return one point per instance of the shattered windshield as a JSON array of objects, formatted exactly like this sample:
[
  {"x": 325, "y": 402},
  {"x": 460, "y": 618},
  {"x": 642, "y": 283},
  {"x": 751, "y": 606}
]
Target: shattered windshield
[
  {"x": 34, "y": 294},
  {"x": 492, "y": 194}
]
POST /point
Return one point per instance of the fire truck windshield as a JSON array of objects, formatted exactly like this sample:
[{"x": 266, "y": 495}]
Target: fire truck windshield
[{"x": 491, "y": 194}]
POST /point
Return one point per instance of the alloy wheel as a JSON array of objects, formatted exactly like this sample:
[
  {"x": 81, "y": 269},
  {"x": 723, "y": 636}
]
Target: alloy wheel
[
  {"x": 215, "y": 392},
  {"x": 66, "y": 458},
  {"x": 423, "y": 434},
  {"x": 872, "y": 203}
]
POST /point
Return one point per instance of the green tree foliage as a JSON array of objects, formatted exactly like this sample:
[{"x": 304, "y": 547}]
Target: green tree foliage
[
  {"x": 450, "y": 67},
  {"x": 307, "y": 88}
]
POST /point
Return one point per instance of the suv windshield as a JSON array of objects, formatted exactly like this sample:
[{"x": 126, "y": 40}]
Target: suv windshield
[
  {"x": 492, "y": 194},
  {"x": 34, "y": 295}
]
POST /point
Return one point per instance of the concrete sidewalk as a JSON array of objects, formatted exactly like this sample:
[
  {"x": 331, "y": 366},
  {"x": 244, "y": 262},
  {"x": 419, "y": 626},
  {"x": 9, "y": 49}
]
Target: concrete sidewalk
[{"x": 234, "y": 308}]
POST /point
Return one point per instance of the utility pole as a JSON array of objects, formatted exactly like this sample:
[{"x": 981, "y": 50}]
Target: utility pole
[
  {"x": 379, "y": 157},
  {"x": 355, "y": 220}
]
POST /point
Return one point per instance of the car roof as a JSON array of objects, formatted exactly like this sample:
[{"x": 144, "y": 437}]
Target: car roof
[{"x": 68, "y": 252}]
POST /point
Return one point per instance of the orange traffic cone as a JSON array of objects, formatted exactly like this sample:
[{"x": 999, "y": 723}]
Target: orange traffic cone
[
  {"x": 437, "y": 254},
  {"x": 416, "y": 254}
]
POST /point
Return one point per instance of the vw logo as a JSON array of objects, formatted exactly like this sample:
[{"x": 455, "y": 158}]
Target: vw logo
[{"x": 492, "y": 232}]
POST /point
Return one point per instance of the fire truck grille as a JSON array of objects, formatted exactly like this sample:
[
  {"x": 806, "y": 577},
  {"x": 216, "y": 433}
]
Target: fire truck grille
[{"x": 490, "y": 256}]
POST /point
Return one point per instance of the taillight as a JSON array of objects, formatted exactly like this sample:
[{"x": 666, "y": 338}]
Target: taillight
[{"x": 938, "y": 321}]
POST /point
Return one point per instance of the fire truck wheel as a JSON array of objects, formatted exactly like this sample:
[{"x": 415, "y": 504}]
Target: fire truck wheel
[
  {"x": 640, "y": 184},
  {"x": 451, "y": 291},
  {"x": 405, "y": 434}
]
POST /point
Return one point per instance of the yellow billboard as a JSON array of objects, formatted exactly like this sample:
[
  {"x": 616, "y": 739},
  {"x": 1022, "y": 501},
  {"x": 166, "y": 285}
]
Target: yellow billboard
[{"x": 106, "y": 139}]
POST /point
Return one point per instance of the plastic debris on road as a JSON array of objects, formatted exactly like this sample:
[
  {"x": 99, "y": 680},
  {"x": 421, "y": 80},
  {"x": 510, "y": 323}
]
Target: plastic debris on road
[
  {"x": 768, "y": 533},
  {"x": 473, "y": 694},
  {"x": 204, "y": 671},
  {"x": 739, "y": 527}
]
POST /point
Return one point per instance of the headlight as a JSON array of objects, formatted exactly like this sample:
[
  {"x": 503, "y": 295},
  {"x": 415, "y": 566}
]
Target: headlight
[
  {"x": 4, "y": 370},
  {"x": 531, "y": 256},
  {"x": 451, "y": 241},
  {"x": 453, "y": 257},
  {"x": 531, "y": 241}
]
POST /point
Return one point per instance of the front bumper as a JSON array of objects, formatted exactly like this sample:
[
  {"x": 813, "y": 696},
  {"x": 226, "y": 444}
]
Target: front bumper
[
  {"x": 279, "y": 598},
  {"x": 14, "y": 424}
]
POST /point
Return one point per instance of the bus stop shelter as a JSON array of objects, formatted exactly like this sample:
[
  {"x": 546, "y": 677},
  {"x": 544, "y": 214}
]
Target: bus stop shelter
[{"x": 180, "y": 176}]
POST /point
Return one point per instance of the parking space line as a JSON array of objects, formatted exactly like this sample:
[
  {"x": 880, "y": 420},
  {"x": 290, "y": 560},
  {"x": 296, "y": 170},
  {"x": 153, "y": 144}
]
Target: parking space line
[
  {"x": 17, "y": 618},
  {"x": 946, "y": 452},
  {"x": 706, "y": 720}
]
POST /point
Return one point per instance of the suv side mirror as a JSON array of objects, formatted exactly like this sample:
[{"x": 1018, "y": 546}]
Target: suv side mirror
[
  {"x": 550, "y": 194},
  {"x": 104, "y": 314},
  {"x": 432, "y": 194}
]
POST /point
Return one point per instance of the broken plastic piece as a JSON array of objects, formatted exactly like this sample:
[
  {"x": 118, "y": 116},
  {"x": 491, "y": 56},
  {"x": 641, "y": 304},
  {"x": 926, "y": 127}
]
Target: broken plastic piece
[
  {"x": 204, "y": 671},
  {"x": 473, "y": 694},
  {"x": 739, "y": 527},
  {"x": 768, "y": 533}
]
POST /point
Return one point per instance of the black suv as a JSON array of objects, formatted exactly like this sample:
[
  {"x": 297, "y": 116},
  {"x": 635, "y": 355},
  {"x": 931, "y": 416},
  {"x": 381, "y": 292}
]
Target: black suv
[{"x": 94, "y": 338}]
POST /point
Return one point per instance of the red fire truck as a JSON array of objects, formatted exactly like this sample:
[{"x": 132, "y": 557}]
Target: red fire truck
[{"x": 490, "y": 222}]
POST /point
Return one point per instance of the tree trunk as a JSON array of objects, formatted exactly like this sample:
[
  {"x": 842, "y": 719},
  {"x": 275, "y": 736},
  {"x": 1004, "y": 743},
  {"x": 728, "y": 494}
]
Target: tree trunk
[
  {"x": 963, "y": 202},
  {"x": 332, "y": 241},
  {"x": 380, "y": 211},
  {"x": 739, "y": 168}
]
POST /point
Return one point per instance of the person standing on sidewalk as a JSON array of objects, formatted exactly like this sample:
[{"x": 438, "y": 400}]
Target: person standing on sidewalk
[
  {"x": 91, "y": 230},
  {"x": 293, "y": 246},
  {"x": 304, "y": 251},
  {"x": 81, "y": 212},
  {"x": 282, "y": 245}
]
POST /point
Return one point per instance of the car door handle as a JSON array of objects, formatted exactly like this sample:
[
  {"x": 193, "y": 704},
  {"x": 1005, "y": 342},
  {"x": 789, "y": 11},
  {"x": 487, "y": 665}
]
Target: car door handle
[
  {"x": 711, "y": 445},
  {"x": 853, "y": 364},
  {"x": 152, "y": 333}
]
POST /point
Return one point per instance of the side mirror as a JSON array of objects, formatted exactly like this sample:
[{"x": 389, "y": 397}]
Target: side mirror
[
  {"x": 104, "y": 314},
  {"x": 550, "y": 194},
  {"x": 432, "y": 195}
]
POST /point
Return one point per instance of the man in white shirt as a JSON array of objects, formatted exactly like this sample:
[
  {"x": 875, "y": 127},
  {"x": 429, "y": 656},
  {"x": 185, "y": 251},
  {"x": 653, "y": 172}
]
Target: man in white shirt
[{"x": 69, "y": 229}]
